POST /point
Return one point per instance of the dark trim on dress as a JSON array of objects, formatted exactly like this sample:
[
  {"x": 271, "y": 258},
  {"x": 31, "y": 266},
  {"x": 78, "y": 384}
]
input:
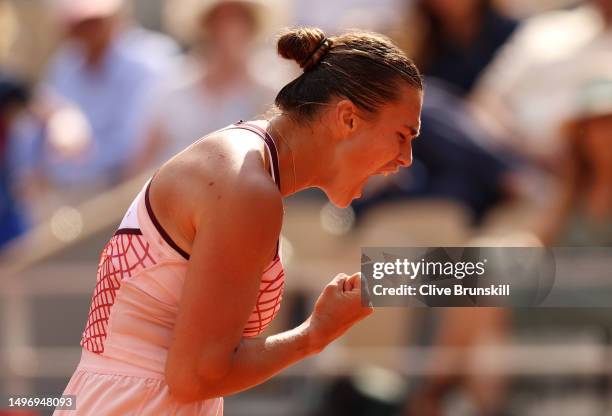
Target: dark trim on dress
[
  {"x": 268, "y": 140},
  {"x": 159, "y": 227},
  {"x": 273, "y": 152},
  {"x": 133, "y": 231}
]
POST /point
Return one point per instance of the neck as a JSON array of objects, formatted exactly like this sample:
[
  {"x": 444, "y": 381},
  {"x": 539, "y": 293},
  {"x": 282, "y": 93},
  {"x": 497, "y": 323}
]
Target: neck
[
  {"x": 95, "y": 55},
  {"x": 298, "y": 151},
  {"x": 221, "y": 71}
]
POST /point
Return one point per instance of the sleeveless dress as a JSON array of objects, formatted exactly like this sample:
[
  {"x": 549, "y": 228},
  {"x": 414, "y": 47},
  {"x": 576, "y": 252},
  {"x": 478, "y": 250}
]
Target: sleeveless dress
[{"x": 133, "y": 311}]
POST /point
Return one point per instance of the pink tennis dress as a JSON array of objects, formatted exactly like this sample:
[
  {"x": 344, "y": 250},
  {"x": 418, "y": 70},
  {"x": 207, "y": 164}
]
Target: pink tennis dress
[{"x": 134, "y": 307}]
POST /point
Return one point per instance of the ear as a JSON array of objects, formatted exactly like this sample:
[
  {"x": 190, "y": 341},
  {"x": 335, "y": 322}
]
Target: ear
[{"x": 346, "y": 117}]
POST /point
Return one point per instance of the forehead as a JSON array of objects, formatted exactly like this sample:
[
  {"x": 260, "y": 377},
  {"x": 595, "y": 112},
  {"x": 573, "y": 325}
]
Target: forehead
[{"x": 406, "y": 110}]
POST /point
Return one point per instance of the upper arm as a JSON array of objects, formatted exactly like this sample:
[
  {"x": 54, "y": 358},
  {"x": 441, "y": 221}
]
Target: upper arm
[{"x": 234, "y": 240}]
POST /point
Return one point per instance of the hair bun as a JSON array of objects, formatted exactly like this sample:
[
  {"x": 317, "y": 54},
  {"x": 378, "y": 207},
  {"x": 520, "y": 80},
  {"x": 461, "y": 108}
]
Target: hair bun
[{"x": 300, "y": 44}]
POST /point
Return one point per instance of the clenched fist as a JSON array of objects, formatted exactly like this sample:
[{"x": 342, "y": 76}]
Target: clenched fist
[{"x": 337, "y": 309}]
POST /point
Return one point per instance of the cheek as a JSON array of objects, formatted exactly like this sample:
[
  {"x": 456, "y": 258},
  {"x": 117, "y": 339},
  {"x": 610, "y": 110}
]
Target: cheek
[
  {"x": 374, "y": 155},
  {"x": 368, "y": 153},
  {"x": 388, "y": 149}
]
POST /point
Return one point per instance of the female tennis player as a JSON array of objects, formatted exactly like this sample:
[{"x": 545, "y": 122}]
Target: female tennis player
[{"x": 193, "y": 275}]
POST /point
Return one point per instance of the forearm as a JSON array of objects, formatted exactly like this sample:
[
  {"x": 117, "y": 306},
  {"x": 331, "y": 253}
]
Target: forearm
[
  {"x": 255, "y": 360},
  {"x": 258, "y": 359}
]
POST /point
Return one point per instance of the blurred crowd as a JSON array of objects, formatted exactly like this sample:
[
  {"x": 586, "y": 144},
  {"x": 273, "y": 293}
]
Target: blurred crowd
[
  {"x": 115, "y": 99},
  {"x": 517, "y": 113},
  {"x": 516, "y": 109}
]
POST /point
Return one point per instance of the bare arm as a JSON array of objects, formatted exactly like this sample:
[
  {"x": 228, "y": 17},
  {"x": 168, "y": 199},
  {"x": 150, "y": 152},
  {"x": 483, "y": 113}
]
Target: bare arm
[
  {"x": 258, "y": 359},
  {"x": 208, "y": 356}
]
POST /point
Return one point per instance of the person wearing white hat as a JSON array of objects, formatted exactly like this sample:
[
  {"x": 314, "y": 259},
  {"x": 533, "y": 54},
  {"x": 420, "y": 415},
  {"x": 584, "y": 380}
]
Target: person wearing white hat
[
  {"x": 92, "y": 26},
  {"x": 105, "y": 68},
  {"x": 527, "y": 90},
  {"x": 216, "y": 84}
]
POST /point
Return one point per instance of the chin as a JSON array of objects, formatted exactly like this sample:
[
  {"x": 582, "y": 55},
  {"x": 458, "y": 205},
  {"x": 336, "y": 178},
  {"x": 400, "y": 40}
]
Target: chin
[
  {"x": 343, "y": 201},
  {"x": 342, "y": 205},
  {"x": 342, "y": 198}
]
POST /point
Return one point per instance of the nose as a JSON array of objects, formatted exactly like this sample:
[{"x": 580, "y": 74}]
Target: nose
[{"x": 405, "y": 156}]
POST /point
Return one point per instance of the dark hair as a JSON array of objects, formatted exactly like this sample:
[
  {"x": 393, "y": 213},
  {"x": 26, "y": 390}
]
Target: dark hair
[{"x": 366, "y": 68}]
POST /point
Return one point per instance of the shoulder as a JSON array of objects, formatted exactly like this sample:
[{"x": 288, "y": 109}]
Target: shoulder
[{"x": 225, "y": 175}]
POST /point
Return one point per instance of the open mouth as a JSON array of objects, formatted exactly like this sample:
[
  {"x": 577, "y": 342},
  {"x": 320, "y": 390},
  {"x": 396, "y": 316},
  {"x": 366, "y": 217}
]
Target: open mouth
[{"x": 386, "y": 172}]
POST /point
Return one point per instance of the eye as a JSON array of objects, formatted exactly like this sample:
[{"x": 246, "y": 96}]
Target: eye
[{"x": 402, "y": 138}]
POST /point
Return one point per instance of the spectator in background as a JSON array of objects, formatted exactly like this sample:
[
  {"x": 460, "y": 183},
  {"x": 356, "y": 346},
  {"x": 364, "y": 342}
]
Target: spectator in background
[
  {"x": 105, "y": 67},
  {"x": 528, "y": 89},
  {"x": 456, "y": 366},
  {"x": 14, "y": 96},
  {"x": 375, "y": 15},
  {"x": 454, "y": 40},
  {"x": 214, "y": 87},
  {"x": 582, "y": 212}
]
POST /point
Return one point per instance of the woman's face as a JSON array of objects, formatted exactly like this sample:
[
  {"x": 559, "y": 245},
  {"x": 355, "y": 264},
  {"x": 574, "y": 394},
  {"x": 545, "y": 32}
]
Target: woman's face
[
  {"x": 379, "y": 144},
  {"x": 94, "y": 33},
  {"x": 231, "y": 27}
]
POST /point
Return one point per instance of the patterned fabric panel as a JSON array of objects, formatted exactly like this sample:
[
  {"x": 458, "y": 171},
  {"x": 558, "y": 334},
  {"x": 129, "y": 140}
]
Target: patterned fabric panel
[
  {"x": 268, "y": 300},
  {"x": 126, "y": 253}
]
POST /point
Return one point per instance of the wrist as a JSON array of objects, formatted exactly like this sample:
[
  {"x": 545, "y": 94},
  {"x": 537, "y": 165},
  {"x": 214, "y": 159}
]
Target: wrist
[{"x": 314, "y": 343}]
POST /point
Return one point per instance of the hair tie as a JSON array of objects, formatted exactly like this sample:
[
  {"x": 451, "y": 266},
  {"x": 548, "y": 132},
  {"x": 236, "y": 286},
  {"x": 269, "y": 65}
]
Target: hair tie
[{"x": 317, "y": 54}]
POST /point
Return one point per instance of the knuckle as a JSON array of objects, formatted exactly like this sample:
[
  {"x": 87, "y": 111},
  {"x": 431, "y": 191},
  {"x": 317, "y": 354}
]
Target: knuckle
[{"x": 330, "y": 287}]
